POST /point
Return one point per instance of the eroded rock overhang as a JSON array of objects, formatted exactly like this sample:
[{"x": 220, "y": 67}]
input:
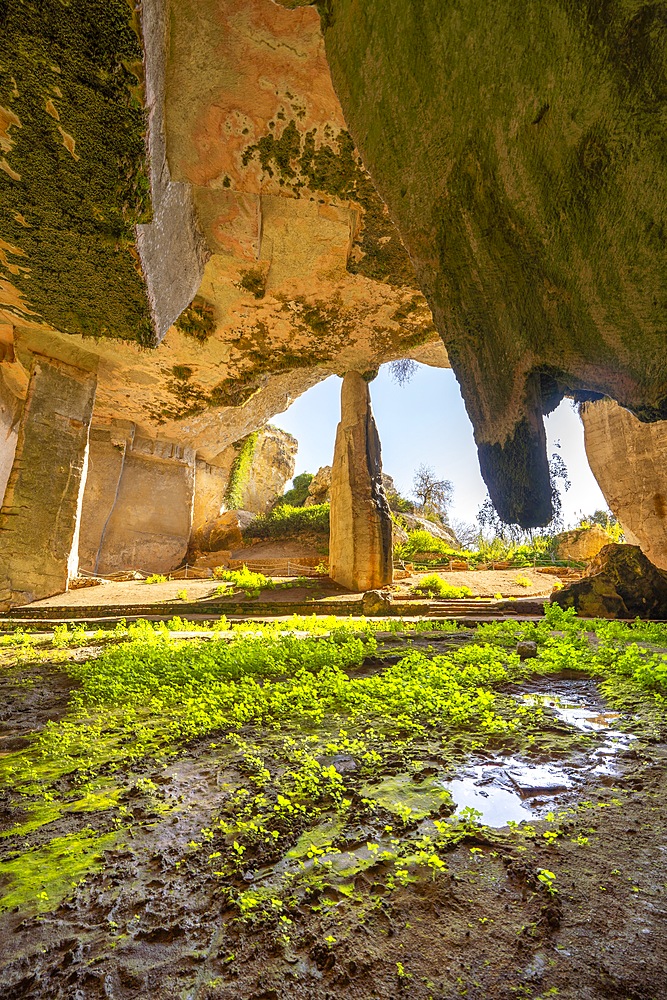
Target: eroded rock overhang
[
  {"x": 520, "y": 149},
  {"x": 221, "y": 166}
]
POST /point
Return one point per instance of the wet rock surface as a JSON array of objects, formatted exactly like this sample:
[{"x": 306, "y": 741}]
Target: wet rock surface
[{"x": 157, "y": 922}]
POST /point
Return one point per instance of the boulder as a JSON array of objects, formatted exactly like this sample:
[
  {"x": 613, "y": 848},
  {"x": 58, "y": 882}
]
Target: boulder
[
  {"x": 621, "y": 583},
  {"x": 360, "y": 549},
  {"x": 581, "y": 544},
  {"x": 224, "y": 532},
  {"x": 376, "y": 602},
  {"x": 319, "y": 490}
]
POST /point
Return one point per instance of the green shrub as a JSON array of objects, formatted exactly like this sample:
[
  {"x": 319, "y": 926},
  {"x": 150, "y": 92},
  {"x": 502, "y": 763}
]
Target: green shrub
[
  {"x": 434, "y": 586},
  {"x": 423, "y": 541},
  {"x": 523, "y": 581},
  {"x": 243, "y": 579},
  {"x": 285, "y": 520},
  {"x": 156, "y": 578},
  {"x": 296, "y": 497}
]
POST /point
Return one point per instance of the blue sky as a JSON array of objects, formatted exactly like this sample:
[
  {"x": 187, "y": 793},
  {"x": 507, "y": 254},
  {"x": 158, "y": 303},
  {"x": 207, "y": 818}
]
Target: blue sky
[{"x": 425, "y": 421}]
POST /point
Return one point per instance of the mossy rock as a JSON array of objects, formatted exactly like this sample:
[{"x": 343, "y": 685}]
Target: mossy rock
[
  {"x": 75, "y": 180},
  {"x": 622, "y": 583}
]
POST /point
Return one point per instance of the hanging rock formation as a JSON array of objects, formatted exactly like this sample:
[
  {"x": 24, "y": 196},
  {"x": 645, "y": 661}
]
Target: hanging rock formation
[
  {"x": 629, "y": 460},
  {"x": 360, "y": 543},
  {"x": 520, "y": 150}
]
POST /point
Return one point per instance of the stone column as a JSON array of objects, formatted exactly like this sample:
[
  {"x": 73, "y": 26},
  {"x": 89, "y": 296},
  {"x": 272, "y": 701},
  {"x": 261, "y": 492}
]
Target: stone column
[
  {"x": 360, "y": 544},
  {"x": 629, "y": 460},
  {"x": 39, "y": 516}
]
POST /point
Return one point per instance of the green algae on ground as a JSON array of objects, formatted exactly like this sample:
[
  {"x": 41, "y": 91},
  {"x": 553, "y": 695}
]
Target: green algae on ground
[
  {"x": 315, "y": 751},
  {"x": 404, "y": 795},
  {"x": 42, "y": 877}
]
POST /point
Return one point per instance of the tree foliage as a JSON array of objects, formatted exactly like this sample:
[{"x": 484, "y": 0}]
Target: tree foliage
[{"x": 433, "y": 495}]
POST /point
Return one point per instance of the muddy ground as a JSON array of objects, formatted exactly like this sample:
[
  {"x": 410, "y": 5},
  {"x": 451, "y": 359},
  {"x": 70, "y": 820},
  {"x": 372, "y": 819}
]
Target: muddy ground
[{"x": 153, "y": 921}]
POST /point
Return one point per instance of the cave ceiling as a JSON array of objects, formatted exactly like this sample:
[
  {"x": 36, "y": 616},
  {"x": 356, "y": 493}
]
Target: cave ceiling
[{"x": 293, "y": 269}]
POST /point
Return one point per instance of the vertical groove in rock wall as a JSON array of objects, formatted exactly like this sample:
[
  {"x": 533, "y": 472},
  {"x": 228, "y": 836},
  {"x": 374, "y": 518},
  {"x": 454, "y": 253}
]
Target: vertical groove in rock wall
[{"x": 38, "y": 519}]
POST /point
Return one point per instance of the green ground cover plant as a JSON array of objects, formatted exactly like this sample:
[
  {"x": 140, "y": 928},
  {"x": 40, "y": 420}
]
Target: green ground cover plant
[
  {"x": 434, "y": 586},
  {"x": 276, "y": 704},
  {"x": 242, "y": 579}
]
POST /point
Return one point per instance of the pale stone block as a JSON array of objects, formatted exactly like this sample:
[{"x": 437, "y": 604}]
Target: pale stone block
[{"x": 38, "y": 519}]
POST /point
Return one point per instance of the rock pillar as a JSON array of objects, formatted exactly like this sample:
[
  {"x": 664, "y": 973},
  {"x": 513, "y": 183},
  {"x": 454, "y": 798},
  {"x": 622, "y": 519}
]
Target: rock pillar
[
  {"x": 360, "y": 548},
  {"x": 629, "y": 460},
  {"x": 137, "y": 506},
  {"x": 40, "y": 513}
]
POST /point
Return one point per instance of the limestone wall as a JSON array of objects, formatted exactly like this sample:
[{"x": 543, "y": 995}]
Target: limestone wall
[
  {"x": 137, "y": 508},
  {"x": 39, "y": 515},
  {"x": 272, "y": 467},
  {"x": 210, "y": 485},
  {"x": 8, "y": 434},
  {"x": 629, "y": 460}
]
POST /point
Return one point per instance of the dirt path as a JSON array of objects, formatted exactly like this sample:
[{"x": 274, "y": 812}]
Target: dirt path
[{"x": 485, "y": 583}]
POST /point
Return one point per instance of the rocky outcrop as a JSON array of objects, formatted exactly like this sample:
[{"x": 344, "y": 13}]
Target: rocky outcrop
[
  {"x": 531, "y": 230},
  {"x": 360, "y": 541},
  {"x": 414, "y": 522},
  {"x": 621, "y": 583},
  {"x": 319, "y": 490},
  {"x": 629, "y": 460},
  {"x": 271, "y": 468},
  {"x": 581, "y": 544},
  {"x": 223, "y": 532}
]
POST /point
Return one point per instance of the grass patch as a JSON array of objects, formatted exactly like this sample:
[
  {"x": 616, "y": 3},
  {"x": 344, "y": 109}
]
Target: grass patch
[
  {"x": 279, "y": 703},
  {"x": 434, "y": 586}
]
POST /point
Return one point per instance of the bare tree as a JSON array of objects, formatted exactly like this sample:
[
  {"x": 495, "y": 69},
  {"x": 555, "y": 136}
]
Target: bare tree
[
  {"x": 402, "y": 371},
  {"x": 433, "y": 495}
]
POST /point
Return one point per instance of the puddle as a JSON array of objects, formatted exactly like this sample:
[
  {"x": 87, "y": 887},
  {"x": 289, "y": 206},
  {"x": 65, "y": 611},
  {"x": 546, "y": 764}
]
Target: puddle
[{"x": 509, "y": 789}]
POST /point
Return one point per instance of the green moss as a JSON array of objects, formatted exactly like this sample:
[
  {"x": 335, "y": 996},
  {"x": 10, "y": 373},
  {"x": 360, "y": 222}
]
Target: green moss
[
  {"x": 77, "y": 264},
  {"x": 198, "y": 320},
  {"x": 240, "y": 471},
  {"x": 46, "y": 875},
  {"x": 333, "y": 167},
  {"x": 254, "y": 281}
]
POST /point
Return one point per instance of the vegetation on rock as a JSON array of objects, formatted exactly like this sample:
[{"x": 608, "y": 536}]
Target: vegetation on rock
[{"x": 285, "y": 521}]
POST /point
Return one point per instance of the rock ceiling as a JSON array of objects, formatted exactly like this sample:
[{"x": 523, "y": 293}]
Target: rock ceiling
[
  {"x": 294, "y": 269},
  {"x": 527, "y": 179}
]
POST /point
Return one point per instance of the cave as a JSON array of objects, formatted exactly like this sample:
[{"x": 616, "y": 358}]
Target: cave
[{"x": 308, "y": 743}]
